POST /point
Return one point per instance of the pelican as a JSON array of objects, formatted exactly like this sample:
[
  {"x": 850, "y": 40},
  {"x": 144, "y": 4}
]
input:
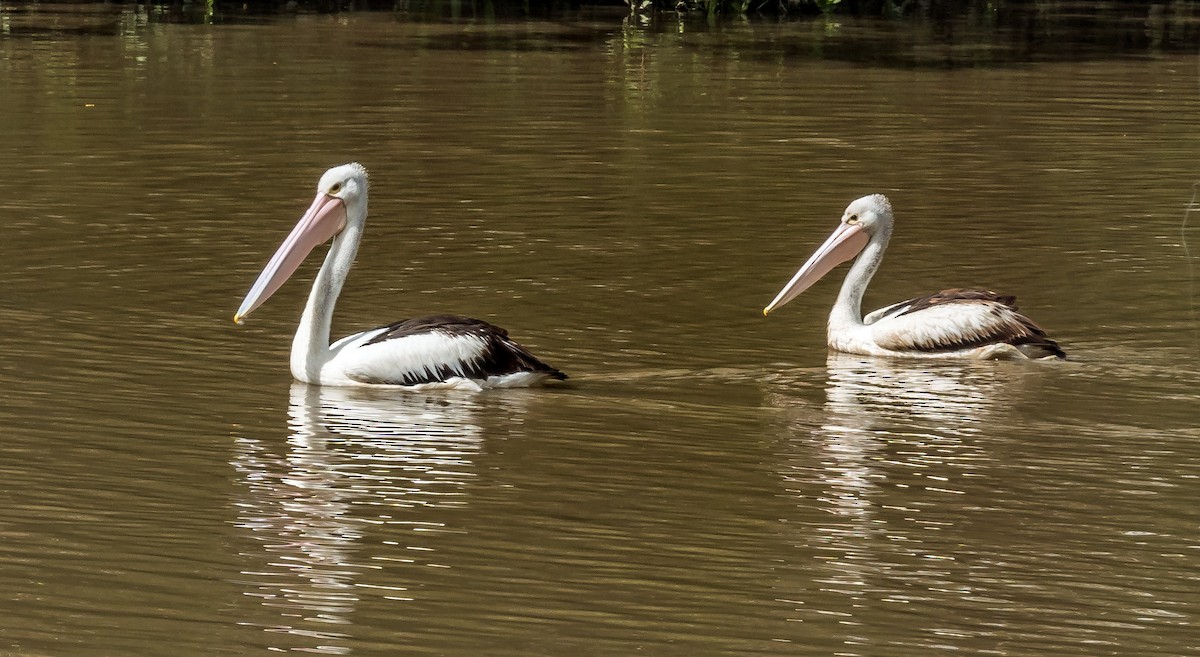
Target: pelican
[
  {"x": 438, "y": 351},
  {"x": 955, "y": 323}
]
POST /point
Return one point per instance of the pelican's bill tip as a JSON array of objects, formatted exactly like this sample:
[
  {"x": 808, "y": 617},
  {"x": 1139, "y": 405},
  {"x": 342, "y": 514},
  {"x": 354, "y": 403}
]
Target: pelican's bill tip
[{"x": 238, "y": 319}]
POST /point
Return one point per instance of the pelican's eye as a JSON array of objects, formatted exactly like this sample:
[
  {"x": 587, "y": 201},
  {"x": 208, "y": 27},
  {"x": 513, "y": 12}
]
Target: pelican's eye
[
  {"x": 335, "y": 188},
  {"x": 852, "y": 219}
]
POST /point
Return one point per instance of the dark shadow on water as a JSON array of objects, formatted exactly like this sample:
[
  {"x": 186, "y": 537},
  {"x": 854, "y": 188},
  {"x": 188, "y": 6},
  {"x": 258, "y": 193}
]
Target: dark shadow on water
[
  {"x": 1023, "y": 34},
  {"x": 1009, "y": 33},
  {"x": 973, "y": 35},
  {"x": 509, "y": 37}
]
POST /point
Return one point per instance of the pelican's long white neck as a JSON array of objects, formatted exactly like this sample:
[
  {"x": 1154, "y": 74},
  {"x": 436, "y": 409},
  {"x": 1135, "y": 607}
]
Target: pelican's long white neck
[
  {"x": 847, "y": 311},
  {"x": 310, "y": 347}
]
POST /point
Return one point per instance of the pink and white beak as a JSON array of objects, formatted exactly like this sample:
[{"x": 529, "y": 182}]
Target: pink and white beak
[
  {"x": 325, "y": 218},
  {"x": 845, "y": 243}
]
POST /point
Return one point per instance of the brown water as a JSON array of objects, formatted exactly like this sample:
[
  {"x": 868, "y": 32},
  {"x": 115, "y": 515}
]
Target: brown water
[{"x": 624, "y": 201}]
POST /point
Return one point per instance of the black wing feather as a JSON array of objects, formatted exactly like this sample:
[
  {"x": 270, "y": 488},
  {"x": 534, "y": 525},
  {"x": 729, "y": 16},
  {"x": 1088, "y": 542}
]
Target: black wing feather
[
  {"x": 959, "y": 295},
  {"x": 501, "y": 354},
  {"x": 952, "y": 295}
]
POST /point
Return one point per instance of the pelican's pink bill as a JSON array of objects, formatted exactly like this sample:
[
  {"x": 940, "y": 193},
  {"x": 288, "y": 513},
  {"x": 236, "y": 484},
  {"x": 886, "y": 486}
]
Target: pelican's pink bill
[
  {"x": 325, "y": 218},
  {"x": 845, "y": 243}
]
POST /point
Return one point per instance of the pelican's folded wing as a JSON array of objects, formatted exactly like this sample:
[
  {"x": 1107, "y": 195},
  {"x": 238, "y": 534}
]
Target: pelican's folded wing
[
  {"x": 942, "y": 323},
  {"x": 434, "y": 349}
]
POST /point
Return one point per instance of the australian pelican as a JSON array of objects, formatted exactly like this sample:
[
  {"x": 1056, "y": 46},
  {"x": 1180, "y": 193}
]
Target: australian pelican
[
  {"x": 956, "y": 323},
  {"x": 443, "y": 350}
]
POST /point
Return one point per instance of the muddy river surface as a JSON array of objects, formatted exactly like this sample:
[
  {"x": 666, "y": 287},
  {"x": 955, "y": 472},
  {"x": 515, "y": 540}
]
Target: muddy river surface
[{"x": 624, "y": 199}]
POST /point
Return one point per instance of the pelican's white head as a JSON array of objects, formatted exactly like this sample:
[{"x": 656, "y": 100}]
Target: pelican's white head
[
  {"x": 347, "y": 182},
  {"x": 873, "y": 212},
  {"x": 867, "y": 218},
  {"x": 341, "y": 200}
]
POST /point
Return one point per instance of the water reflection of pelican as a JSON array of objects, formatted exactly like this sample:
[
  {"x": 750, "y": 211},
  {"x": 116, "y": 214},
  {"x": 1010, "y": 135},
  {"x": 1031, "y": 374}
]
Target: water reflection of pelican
[
  {"x": 884, "y": 458},
  {"x": 932, "y": 408},
  {"x": 865, "y": 390},
  {"x": 354, "y": 459}
]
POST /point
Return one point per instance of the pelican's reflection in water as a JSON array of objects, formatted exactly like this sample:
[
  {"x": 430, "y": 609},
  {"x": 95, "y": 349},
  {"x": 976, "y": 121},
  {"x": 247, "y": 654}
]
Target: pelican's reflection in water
[
  {"x": 890, "y": 454},
  {"x": 354, "y": 460}
]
